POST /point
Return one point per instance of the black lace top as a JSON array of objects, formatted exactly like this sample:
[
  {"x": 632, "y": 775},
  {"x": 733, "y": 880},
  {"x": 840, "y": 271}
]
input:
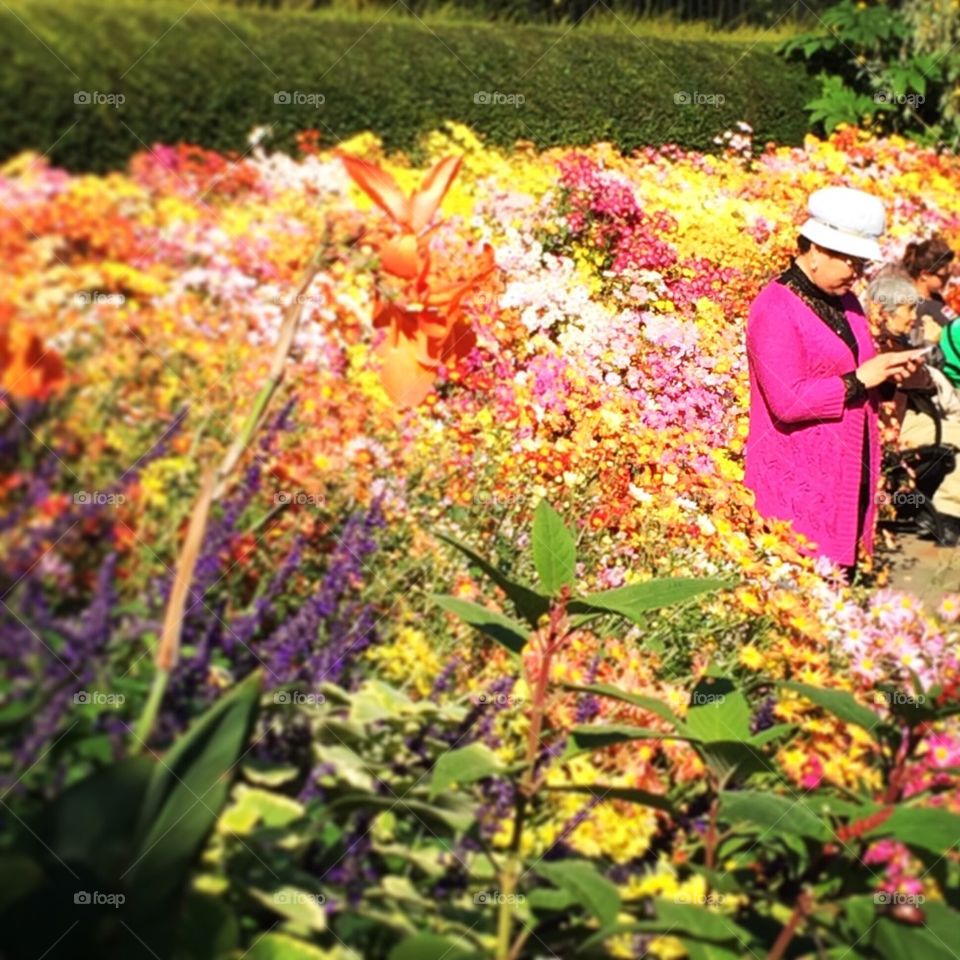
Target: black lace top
[{"x": 831, "y": 311}]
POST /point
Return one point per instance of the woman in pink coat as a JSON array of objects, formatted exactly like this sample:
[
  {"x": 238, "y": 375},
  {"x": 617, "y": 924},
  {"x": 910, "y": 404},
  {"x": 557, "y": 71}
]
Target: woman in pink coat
[{"x": 813, "y": 450}]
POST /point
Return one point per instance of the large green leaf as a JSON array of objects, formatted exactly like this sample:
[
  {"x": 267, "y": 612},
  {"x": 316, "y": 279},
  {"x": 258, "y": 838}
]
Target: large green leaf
[
  {"x": 840, "y": 704},
  {"x": 933, "y": 941},
  {"x": 589, "y": 737},
  {"x": 94, "y": 821},
  {"x": 187, "y": 791},
  {"x": 581, "y": 878},
  {"x": 924, "y": 827},
  {"x": 718, "y": 711},
  {"x": 430, "y": 946},
  {"x": 512, "y": 635},
  {"x": 690, "y": 922},
  {"x": 636, "y": 599},
  {"x": 554, "y": 549},
  {"x": 463, "y": 766},
  {"x": 774, "y": 813},
  {"x": 280, "y": 946},
  {"x": 638, "y": 700},
  {"x": 530, "y": 604}
]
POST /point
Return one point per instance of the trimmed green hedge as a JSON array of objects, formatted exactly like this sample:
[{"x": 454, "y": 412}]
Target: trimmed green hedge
[{"x": 212, "y": 76}]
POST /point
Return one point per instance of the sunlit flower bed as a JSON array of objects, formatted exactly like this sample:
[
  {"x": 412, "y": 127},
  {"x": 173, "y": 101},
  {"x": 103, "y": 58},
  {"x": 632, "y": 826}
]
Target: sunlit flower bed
[{"x": 608, "y": 377}]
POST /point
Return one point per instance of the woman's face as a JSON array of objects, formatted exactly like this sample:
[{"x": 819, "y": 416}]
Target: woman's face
[
  {"x": 836, "y": 272},
  {"x": 901, "y": 319},
  {"x": 937, "y": 280}
]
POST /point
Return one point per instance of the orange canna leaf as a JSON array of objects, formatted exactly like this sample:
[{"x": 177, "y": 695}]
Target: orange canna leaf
[
  {"x": 28, "y": 369},
  {"x": 461, "y": 341},
  {"x": 434, "y": 324},
  {"x": 379, "y": 186},
  {"x": 426, "y": 200},
  {"x": 401, "y": 256},
  {"x": 405, "y": 381}
]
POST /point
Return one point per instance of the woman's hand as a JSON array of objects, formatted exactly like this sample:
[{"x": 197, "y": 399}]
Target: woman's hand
[{"x": 899, "y": 365}]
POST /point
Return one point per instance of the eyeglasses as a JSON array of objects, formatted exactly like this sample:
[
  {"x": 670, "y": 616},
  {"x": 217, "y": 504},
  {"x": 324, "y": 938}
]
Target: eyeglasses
[{"x": 857, "y": 263}]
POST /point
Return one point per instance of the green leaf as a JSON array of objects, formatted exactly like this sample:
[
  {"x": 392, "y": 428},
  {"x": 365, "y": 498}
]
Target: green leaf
[
  {"x": 630, "y": 794},
  {"x": 718, "y": 711},
  {"x": 187, "y": 791},
  {"x": 589, "y": 737},
  {"x": 895, "y": 941},
  {"x": 301, "y": 907},
  {"x": 268, "y": 774},
  {"x": 207, "y": 927},
  {"x": 582, "y": 879},
  {"x": 840, "y": 704},
  {"x": 689, "y": 922},
  {"x": 252, "y": 806},
  {"x": 457, "y": 814},
  {"x": 463, "y": 766},
  {"x": 94, "y": 821},
  {"x": 530, "y": 604},
  {"x": 512, "y": 635},
  {"x": 774, "y": 813},
  {"x": 279, "y": 946},
  {"x": 636, "y": 599},
  {"x": 554, "y": 549},
  {"x": 638, "y": 700},
  {"x": 430, "y": 946},
  {"x": 546, "y": 898},
  {"x": 923, "y": 827},
  {"x": 376, "y": 700}
]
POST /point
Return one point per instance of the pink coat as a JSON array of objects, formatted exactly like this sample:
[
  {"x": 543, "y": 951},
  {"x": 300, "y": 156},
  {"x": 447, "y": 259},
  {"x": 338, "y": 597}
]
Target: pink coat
[{"x": 804, "y": 449}]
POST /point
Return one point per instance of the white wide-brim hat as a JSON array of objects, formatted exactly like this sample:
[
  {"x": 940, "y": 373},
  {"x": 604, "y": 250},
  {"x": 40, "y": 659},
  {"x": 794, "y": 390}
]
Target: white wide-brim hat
[{"x": 846, "y": 220}]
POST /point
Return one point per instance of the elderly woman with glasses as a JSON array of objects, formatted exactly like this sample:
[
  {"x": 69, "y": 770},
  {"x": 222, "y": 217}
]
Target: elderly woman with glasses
[
  {"x": 813, "y": 450},
  {"x": 891, "y": 300}
]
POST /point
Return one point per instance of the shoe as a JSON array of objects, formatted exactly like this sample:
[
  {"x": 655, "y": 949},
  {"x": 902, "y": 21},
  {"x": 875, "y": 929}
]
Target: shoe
[{"x": 949, "y": 526}]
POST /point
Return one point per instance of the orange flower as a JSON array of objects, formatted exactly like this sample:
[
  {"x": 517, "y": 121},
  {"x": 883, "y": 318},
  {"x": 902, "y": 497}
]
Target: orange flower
[
  {"x": 28, "y": 370},
  {"x": 424, "y": 325}
]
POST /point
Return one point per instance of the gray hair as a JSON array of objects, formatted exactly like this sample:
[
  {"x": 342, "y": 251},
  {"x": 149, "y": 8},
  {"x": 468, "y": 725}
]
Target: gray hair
[{"x": 890, "y": 290}]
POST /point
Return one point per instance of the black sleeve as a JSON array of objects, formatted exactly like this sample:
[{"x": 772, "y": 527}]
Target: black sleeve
[
  {"x": 886, "y": 390},
  {"x": 853, "y": 388}
]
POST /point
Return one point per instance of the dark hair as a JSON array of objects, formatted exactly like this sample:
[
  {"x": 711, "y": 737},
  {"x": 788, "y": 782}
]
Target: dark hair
[
  {"x": 927, "y": 256},
  {"x": 803, "y": 243}
]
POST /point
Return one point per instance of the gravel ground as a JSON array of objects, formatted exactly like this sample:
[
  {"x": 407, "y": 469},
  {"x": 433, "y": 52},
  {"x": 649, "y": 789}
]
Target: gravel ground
[{"x": 925, "y": 569}]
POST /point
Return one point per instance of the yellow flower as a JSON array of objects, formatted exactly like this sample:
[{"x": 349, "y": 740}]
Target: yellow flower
[{"x": 751, "y": 657}]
